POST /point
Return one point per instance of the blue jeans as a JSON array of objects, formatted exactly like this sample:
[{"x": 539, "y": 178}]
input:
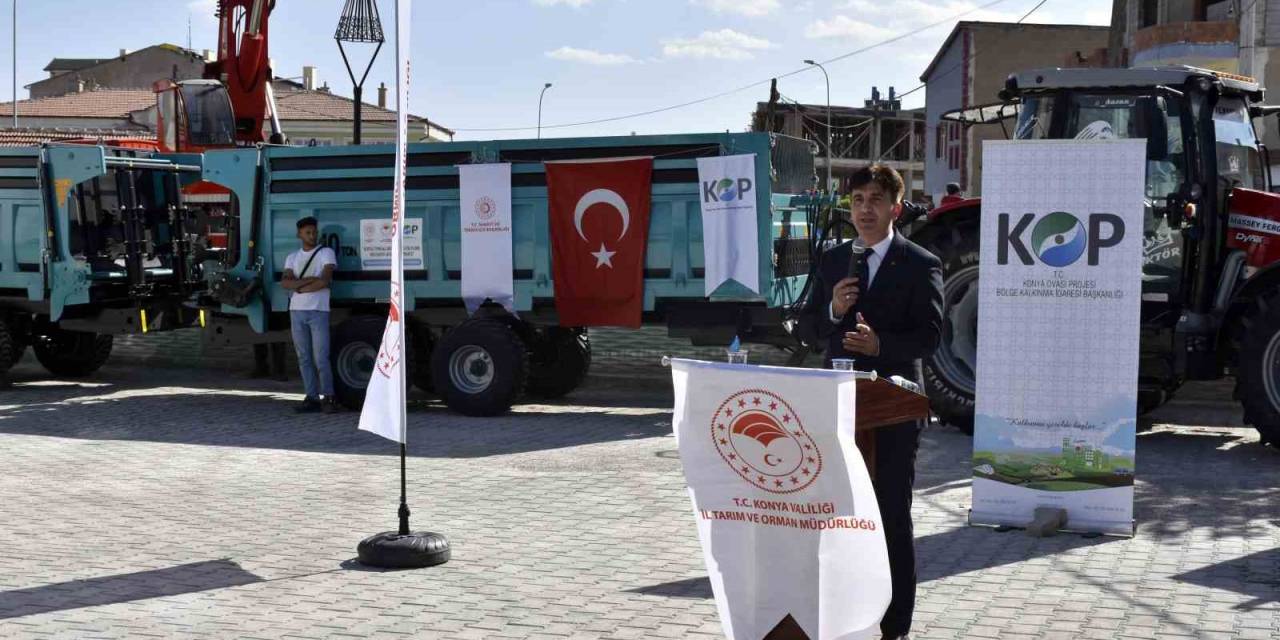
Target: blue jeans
[{"x": 311, "y": 340}]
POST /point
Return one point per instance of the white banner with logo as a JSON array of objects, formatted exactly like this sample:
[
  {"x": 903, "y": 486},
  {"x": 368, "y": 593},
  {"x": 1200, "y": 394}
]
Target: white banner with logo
[
  {"x": 383, "y": 411},
  {"x": 484, "y": 199},
  {"x": 1057, "y": 358},
  {"x": 787, "y": 517},
  {"x": 727, "y": 192},
  {"x": 376, "y": 243}
]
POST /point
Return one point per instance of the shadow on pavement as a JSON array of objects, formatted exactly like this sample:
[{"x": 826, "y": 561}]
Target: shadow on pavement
[
  {"x": 127, "y": 587},
  {"x": 1256, "y": 576},
  {"x": 186, "y": 407},
  {"x": 693, "y": 588}
]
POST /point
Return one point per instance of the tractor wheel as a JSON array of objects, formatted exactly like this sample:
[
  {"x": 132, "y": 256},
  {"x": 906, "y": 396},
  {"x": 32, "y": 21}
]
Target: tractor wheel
[
  {"x": 558, "y": 362},
  {"x": 1258, "y": 373},
  {"x": 480, "y": 367},
  {"x": 949, "y": 375},
  {"x": 72, "y": 354}
]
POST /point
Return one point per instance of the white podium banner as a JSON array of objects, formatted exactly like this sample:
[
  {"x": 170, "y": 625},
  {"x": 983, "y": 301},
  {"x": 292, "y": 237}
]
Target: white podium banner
[
  {"x": 787, "y": 517},
  {"x": 485, "y": 215},
  {"x": 1059, "y": 300}
]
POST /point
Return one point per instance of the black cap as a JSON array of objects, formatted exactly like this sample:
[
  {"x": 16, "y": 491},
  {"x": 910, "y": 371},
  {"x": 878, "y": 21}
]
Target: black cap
[{"x": 308, "y": 221}]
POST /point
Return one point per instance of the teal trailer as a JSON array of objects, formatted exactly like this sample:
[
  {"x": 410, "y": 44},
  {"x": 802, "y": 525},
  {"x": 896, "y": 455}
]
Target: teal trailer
[
  {"x": 95, "y": 241},
  {"x": 482, "y": 364}
]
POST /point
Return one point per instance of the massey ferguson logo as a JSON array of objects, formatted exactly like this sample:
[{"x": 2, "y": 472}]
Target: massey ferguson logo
[
  {"x": 1249, "y": 238},
  {"x": 762, "y": 440},
  {"x": 726, "y": 190},
  {"x": 1058, "y": 239}
]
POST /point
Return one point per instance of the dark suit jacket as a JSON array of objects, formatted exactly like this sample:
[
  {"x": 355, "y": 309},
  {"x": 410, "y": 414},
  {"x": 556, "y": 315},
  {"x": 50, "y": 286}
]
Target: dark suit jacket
[{"x": 903, "y": 306}]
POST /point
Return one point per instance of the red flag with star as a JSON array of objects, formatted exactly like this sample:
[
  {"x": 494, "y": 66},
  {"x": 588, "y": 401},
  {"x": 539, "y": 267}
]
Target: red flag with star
[{"x": 599, "y": 214}]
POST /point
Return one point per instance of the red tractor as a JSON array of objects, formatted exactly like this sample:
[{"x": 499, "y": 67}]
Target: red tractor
[{"x": 1211, "y": 274}]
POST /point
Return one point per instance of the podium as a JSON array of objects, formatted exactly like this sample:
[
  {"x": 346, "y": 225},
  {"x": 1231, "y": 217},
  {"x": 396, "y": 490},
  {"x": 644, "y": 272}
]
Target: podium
[{"x": 880, "y": 403}]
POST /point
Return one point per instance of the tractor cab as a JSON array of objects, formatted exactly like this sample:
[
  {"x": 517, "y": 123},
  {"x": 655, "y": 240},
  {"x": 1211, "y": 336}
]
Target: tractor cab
[
  {"x": 1207, "y": 192},
  {"x": 194, "y": 116}
]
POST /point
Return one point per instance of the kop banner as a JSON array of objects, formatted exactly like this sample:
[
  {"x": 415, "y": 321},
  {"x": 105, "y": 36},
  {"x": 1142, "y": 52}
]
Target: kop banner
[
  {"x": 787, "y": 517},
  {"x": 599, "y": 213},
  {"x": 728, "y": 196},
  {"x": 1060, "y": 293},
  {"x": 383, "y": 412},
  {"x": 485, "y": 215}
]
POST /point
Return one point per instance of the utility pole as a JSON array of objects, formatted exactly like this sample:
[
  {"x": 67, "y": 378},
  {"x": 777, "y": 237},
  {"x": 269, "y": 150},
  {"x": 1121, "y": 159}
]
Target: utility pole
[{"x": 15, "y": 64}]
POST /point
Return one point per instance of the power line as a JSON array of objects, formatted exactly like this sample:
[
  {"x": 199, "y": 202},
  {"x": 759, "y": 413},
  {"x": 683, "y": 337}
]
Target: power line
[{"x": 901, "y": 36}]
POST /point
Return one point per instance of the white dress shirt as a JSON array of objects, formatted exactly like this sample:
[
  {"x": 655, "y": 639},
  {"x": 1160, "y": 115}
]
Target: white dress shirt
[{"x": 875, "y": 255}]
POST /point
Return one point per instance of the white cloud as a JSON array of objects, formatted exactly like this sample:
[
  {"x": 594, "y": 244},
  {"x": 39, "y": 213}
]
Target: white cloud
[
  {"x": 846, "y": 28},
  {"x": 750, "y": 8},
  {"x": 587, "y": 56},
  {"x": 725, "y": 44},
  {"x": 576, "y": 4}
]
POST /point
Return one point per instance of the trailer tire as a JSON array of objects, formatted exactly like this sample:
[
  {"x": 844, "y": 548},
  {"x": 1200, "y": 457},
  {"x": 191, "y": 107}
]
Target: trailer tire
[
  {"x": 480, "y": 367},
  {"x": 421, "y": 344},
  {"x": 11, "y": 344},
  {"x": 352, "y": 354},
  {"x": 72, "y": 354},
  {"x": 558, "y": 362},
  {"x": 949, "y": 376},
  {"x": 1258, "y": 373}
]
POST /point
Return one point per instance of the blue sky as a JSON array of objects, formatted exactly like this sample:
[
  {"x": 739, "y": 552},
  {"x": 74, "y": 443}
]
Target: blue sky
[{"x": 481, "y": 63}]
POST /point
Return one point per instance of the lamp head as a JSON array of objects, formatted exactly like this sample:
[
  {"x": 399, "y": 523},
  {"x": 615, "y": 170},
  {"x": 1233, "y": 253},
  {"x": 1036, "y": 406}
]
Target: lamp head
[{"x": 810, "y": 62}]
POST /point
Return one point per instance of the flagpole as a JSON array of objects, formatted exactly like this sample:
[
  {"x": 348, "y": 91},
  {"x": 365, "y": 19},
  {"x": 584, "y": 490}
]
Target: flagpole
[{"x": 403, "y": 548}]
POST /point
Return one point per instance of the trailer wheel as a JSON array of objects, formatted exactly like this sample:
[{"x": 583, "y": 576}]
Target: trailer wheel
[
  {"x": 72, "y": 354},
  {"x": 1258, "y": 375},
  {"x": 421, "y": 344},
  {"x": 352, "y": 354},
  {"x": 558, "y": 362},
  {"x": 949, "y": 375},
  {"x": 479, "y": 367},
  {"x": 11, "y": 344}
]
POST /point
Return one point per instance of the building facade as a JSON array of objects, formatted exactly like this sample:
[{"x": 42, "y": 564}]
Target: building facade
[
  {"x": 970, "y": 69},
  {"x": 129, "y": 70}
]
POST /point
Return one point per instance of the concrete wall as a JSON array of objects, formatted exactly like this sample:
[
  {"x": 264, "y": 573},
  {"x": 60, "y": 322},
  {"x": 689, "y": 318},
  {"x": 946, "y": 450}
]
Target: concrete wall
[
  {"x": 138, "y": 71},
  {"x": 943, "y": 92},
  {"x": 1001, "y": 50}
]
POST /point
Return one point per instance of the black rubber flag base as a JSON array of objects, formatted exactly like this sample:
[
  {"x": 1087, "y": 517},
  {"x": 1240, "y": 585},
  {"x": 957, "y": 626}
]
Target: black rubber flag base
[{"x": 392, "y": 550}]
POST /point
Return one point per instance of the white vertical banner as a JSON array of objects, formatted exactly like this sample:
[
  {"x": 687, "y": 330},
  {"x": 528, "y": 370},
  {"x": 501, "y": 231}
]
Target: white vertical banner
[
  {"x": 383, "y": 412},
  {"x": 1058, "y": 328},
  {"x": 727, "y": 193},
  {"x": 484, "y": 200},
  {"x": 787, "y": 517}
]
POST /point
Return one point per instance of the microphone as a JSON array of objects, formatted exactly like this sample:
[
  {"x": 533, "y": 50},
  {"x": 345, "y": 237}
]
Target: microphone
[{"x": 856, "y": 257}]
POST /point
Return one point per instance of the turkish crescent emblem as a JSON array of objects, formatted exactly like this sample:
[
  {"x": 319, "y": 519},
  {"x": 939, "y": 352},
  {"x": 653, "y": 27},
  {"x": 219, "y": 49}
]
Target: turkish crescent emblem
[{"x": 602, "y": 196}]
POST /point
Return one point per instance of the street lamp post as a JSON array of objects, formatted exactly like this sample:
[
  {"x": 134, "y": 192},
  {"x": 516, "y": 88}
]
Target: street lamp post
[
  {"x": 540, "y": 94},
  {"x": 360, "y": 23},
  {"x": 828, "y": 79},
  {"x": 15, "y": 64}
]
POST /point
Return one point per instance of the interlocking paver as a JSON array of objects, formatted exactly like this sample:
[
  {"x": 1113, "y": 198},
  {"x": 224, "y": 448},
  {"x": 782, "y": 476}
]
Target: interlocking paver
[{"x": 190, "y": 503}]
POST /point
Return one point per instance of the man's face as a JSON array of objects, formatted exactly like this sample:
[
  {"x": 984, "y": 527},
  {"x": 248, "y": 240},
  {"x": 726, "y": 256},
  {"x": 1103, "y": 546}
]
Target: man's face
[
  {"x": 873, "y": 210},
  {"x": 308, "y": 235}
]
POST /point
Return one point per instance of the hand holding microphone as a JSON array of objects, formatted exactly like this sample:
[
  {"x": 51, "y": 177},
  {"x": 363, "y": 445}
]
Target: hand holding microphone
[{"x": 845, "y": 294}]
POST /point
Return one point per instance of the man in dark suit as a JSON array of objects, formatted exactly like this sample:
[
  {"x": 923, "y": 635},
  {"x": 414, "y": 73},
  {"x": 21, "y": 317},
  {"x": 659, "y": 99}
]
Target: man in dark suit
[{"x": 888, "y": 318}]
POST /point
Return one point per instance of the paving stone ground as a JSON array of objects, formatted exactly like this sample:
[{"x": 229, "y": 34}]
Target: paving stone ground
[{"x": 191, "y": 503}]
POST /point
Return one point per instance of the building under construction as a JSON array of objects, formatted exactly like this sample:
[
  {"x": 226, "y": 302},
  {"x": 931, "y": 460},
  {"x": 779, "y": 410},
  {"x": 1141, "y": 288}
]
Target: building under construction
[{"x": 881, "y": 130}]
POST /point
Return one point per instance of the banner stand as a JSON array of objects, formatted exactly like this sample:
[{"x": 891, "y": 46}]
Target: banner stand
[{"x": 1083, "y": 533}]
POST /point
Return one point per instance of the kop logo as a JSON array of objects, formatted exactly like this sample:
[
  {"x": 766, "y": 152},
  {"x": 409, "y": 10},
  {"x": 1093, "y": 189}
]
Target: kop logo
[
  {"x": 485, "y": 207},
  {"x": 1058, "y": 239},
  {"x": 761, "y": 439},
  {"x": 726, "y": 189}
]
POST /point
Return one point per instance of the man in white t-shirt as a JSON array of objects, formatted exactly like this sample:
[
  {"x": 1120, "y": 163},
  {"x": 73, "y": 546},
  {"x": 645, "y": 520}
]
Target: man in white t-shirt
[{"x": 307, "y": 273}]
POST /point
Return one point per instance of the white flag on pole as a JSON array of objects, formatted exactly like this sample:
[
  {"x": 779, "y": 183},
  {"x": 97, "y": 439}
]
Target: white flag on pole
[
  {"x": 727, "y": 193},
  {"x": 484, "y": 200},
  {"x": 787, "y": 517},
  {"x": 384, "y": 403}
]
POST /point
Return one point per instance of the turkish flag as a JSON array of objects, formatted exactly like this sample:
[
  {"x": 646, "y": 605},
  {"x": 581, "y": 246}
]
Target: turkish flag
[{"x": 599, "y": 231}]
